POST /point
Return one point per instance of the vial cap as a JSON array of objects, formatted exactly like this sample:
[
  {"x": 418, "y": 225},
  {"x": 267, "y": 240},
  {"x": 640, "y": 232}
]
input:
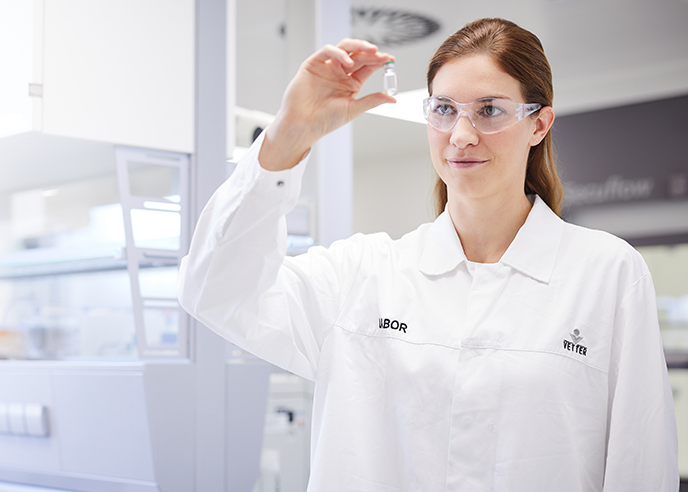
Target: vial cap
[{"x": 391, "y": 62}]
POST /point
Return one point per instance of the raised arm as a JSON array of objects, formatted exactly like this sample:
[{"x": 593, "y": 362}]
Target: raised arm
[{"x": 235, "y": 279}]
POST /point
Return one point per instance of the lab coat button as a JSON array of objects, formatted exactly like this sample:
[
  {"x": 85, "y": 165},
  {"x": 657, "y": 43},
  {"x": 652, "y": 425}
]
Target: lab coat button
[{"x": 280, "y": 183}]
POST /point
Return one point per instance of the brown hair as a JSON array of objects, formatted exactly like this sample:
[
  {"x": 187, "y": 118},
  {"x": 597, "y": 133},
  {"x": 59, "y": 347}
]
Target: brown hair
[{"x": 520, "y": 54}]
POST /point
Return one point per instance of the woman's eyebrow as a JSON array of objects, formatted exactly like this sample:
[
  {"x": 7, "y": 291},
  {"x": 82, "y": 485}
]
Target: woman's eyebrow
[
  {"x": 480, "y": 99},
  {"x": 490, "y": 98}
]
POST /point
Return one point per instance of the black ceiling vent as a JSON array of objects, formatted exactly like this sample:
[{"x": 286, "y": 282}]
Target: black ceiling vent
[{"x": 388, "y": 27}]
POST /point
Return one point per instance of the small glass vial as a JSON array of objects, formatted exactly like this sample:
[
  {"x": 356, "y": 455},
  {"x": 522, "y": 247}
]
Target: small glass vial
[{"x": 389, "y": 79}]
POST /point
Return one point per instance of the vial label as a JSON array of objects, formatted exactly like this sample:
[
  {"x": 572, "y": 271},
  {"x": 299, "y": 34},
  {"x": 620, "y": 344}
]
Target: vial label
[{"x": 389, "y": 79}]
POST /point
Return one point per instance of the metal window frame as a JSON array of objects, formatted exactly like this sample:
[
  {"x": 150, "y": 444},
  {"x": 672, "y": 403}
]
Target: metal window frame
[{"x": 141, "y": 257}]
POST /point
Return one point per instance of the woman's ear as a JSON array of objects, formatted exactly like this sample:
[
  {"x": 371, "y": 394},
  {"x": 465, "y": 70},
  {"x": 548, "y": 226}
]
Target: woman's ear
[{"x": 543, "y": 122}]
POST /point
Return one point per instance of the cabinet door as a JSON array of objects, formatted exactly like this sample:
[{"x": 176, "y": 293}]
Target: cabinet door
[
  {"x": 120, "y": 71},
  {"x": 16, "y": 59}
]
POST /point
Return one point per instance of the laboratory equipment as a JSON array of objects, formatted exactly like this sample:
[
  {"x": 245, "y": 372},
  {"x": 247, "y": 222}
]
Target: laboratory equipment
[{"x": 96, "y": 348}]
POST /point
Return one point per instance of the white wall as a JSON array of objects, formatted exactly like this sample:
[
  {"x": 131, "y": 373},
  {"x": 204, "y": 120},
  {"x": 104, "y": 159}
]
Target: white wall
[{"x": 392, "y": 184}]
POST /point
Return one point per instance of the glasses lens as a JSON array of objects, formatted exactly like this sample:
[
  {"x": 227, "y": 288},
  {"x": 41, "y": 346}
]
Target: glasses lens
[
  {"x": 493, "y": 115},
  {"x": 440, "y": 112}
]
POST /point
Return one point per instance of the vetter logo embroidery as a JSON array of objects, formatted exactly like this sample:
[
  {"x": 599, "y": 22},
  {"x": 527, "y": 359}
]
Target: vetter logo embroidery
[
  {"x": 393, "y": 324},
  {"x": 575, "y": 346}
]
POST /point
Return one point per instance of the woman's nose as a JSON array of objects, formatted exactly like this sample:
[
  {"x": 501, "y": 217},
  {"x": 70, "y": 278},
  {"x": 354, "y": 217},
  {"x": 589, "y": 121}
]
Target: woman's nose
[{"x": 464, "y": 133}]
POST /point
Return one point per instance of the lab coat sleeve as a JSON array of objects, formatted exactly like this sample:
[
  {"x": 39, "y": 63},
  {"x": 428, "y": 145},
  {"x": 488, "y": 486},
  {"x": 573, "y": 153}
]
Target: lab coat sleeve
[
  {"x": 237, "y": 281},
  {"x": 642, "y": 447}
]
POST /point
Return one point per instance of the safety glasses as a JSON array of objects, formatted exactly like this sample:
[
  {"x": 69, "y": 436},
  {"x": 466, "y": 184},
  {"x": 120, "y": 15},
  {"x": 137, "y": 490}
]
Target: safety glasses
[{"x": 487, "y": 115}]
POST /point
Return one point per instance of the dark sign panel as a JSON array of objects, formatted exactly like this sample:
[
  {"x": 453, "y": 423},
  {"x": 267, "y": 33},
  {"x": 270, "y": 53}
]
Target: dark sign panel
[{"x": 626, "y": 154}]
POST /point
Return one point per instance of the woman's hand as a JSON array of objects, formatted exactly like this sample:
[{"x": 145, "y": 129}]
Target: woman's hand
[{"x": 320, "y": 99}]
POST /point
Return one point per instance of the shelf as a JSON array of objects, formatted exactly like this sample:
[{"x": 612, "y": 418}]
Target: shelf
[{"x": 62, "y": 261}]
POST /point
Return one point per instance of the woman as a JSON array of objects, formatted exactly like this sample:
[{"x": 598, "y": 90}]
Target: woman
[{"x": 496, "y": 349}]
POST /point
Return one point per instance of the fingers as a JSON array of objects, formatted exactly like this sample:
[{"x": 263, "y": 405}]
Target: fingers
[
  {"x": 374, "y": 60},
  {"x": 352, "y": 54},
  {"x": 356, "y": 45},
  {"x": 370, "y": 101},
  {"x": 329, "y": 52},
  {"x": 364, "y": 72}
]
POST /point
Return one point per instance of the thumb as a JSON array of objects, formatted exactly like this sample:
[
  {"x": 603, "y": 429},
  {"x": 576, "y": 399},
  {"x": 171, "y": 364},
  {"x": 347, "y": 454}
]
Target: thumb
[{"x": 360, "y": 106}]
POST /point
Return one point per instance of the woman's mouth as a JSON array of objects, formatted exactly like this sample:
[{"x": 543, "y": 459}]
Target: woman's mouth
[{"x": 465, "y": 163}]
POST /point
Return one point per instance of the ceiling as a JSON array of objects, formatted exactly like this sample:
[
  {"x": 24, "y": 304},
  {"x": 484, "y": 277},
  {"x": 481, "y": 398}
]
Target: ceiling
[{"x": 603, "y": 53}]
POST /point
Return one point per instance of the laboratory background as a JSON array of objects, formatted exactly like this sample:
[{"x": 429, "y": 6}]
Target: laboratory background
[{"x": 119, "y": 118}]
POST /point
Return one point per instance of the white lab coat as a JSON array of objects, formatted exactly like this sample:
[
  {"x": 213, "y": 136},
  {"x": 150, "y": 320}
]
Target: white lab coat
[{"x": 541, "y": 373}]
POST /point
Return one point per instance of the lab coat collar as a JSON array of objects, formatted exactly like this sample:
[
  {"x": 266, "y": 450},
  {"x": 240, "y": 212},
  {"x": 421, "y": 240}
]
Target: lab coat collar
[
  {"x": 533, "y": 251},
  {"x": 535, "y": 248},
  {"x": 442, "y": 251}
]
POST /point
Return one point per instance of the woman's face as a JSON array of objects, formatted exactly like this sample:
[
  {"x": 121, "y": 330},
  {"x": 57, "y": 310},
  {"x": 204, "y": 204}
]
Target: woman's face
[{"x": 473, "y": 164}]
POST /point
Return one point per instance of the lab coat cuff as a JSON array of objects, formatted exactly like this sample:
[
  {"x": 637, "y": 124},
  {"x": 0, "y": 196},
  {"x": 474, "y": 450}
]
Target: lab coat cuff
[{"x": 281, "y": 185}]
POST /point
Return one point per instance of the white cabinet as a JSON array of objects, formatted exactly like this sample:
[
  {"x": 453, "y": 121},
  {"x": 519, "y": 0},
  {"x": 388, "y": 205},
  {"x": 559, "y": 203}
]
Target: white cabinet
[
  {"x": 115, "y": 71},
  {"x": 17, "y": 57}
]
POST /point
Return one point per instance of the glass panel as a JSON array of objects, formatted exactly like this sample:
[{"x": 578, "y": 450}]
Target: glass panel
[
  {"x": 156, "y": 229},
  {"x": 162, "y": 325},
  {"x": 77, "y": 215},
  {"x": 65, "y": 288},
  {"x": 155, "y": 181},
  {"x": 65, "y": 293},
  {"x": 158, "y": 282},
  {"x": 74, "y": 316}
]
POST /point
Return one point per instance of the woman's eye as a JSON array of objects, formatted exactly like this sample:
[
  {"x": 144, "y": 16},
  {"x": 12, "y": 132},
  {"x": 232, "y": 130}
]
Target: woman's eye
[
  {"x": 491, "y": 111},
  {"x": 444, "y": 109}
]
